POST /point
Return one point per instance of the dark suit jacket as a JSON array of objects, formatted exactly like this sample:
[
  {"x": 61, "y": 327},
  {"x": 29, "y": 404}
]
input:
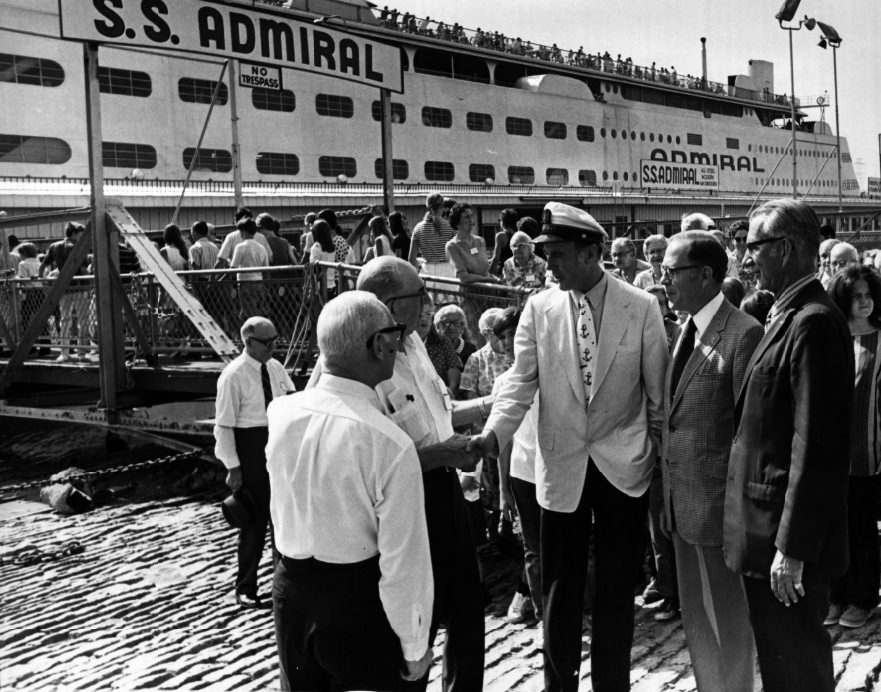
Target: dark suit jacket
[
  {"x": 699, "y": 425},
  {"x": 787, "y": 478}
]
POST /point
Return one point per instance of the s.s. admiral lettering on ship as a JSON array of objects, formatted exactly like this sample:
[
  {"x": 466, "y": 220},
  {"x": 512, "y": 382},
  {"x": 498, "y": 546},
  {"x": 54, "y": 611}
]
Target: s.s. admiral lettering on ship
[
  {"x": 263, "y": 36},
  {"x": 678, "y": 175}
]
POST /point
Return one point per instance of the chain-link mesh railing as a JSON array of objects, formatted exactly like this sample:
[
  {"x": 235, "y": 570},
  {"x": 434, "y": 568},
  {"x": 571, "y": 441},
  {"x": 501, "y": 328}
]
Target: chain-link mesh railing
[{"x": 292, "y": 297}]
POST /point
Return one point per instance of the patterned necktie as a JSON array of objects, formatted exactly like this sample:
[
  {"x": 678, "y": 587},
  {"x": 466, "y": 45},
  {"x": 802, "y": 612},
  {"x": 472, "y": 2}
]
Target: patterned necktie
[
  {"x": 587, "y": 347},
  {"x": 267, "y": 384},
  {"x": 683, "y": 353}
]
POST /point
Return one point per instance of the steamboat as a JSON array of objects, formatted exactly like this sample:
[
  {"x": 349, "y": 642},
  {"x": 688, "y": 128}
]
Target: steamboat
[{"x": 489, "y": 119}]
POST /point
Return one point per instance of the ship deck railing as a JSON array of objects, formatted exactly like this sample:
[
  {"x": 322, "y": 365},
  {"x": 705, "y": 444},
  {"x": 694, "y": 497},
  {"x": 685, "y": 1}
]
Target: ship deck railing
[
  {"x": 292, "y": 297},
  {"x": 598, "y": 62},
  {"x": 225, "y": 188}
]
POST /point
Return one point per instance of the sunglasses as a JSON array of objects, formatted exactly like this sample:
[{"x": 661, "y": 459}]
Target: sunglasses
[{"x": 398, "y": 329}]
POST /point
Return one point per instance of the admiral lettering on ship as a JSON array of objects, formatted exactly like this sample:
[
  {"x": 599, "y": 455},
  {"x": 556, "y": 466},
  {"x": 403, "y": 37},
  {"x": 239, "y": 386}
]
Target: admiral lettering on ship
[{"x": 261, "y": 36}]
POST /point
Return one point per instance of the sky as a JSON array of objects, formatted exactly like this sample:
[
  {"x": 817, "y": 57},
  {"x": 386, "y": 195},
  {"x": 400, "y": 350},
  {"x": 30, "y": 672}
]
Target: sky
[{"x": 668, "y": 32}]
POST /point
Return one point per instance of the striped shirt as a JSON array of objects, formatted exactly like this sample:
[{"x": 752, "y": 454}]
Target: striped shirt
[{"x": 433, "y": 239}]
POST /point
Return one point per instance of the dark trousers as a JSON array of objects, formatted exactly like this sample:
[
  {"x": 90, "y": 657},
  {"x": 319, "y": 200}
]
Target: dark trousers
[
  {"x": 619, "y": 523},
  {"x": 662, "y": 547},
  {"x": 251, "y": 448},
  {"x": 458, "y": 595},
  {"x": 859, "y": 586},
  {"x": 331, "y": 629},
  {"x": 794, "y": 649},
  {"x": 530, "y": 524}
]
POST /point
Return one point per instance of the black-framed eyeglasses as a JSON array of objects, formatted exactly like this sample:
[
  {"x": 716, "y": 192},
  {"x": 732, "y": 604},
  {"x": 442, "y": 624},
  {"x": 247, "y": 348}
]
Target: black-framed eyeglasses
[
  {"x": 266, "y": 342},
  {"x": 740, "y": 239},
  {"x": 421, "y": 294},
  {"x": 671, "y": 272},
  {"x": 398, "y": 329},
  {"x": 756, "y": 244}
]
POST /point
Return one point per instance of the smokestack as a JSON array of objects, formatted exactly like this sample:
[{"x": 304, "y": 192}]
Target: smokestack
[{"x": 704, "y": 58}]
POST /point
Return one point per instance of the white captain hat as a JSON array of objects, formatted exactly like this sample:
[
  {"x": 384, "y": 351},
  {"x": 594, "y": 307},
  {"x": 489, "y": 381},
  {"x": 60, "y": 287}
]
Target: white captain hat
[{"x": 562, "y": 223}]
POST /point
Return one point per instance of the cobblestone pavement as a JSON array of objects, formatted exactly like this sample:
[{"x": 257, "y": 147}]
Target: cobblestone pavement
[{"x": 149, "y": 605}]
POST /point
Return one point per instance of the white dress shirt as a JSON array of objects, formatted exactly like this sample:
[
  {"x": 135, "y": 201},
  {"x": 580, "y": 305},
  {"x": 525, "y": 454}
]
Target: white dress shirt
[
  {"x": 240, "y": 402},
  {"x": 234, "y": 238},
  {"x": 345, "y": 486},
  {"x": 705, "y": 315},
  {"x": 415, "y": 397}
]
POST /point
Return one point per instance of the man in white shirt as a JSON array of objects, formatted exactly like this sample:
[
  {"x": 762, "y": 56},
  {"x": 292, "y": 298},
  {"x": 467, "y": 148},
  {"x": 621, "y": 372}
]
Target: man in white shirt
[
  {"x": 249, "y": 253},
  {"x": 244, "y": 389},
  {"x": 228, "y": 246},
  {"x": 417, "y": 400},
  {"x": 353, "y": 587}
]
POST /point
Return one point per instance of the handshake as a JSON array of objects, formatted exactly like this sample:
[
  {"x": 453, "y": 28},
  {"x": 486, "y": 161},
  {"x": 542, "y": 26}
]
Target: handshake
[{"x": 463, "y": 451}]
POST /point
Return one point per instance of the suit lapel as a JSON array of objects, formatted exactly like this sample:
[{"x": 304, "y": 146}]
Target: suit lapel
[
  {"x": 614, "y": 324},
  {"x": 770, "y": 337},
  {"x": 563, "y": 341},
  {"x": 705, "y": 346}
]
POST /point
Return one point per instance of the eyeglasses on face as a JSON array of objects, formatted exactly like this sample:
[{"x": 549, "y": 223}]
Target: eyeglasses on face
[
  {"x": 398, "y": 329},
  {"x": 266, "y": 342},
  {"x": 421, "y": 294},
  {"x": 671, "y": 272},
  {"x": 740, "y": 239},
  {"x": 451, "y": 322},
  {"x": 756, "y": 244}
]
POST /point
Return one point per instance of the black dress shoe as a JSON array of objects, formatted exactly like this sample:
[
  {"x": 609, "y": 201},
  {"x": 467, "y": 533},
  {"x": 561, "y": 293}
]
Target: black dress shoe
[{"x": 251, "y": 601}]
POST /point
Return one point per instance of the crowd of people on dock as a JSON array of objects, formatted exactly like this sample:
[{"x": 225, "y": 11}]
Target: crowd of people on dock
[{"x": 719, "y": 399}]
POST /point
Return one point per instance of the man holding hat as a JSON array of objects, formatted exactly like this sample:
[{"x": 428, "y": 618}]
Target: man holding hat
[
  {"x": 430, "y": 239},
  {"x": 524, "y": 269},
  {"x": 244, "y": 390},
  {"x": 596, "y": 351}
]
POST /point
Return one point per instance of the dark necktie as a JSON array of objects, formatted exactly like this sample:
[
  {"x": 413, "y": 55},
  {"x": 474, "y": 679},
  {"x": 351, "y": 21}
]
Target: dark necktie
[
  {"x": 267, "y": 384},
  {"x": 680, "y": 358}
]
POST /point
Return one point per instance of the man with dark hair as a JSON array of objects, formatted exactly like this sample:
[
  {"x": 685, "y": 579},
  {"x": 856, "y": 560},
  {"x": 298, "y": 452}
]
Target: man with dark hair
[
  {"x": 203, "y": 253},
  {"x": 702, "y": 385},
  {"x": 596, "y": 350},
  {"x": 74, "y": 304},
  {"x": 785, "y": 525},
  {"x": 502, "y": 249},
  {"x": 249, "y": 254}
]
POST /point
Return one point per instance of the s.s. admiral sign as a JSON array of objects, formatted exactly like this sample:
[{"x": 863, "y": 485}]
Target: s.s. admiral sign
[
  {"x": 680, "y": 176},
  {"x": 263, "y": 36}
]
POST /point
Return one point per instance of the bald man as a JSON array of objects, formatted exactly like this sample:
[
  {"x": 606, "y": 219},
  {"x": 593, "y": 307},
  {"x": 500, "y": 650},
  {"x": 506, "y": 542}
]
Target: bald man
[
  {"x": 842, "y": 256},
  {"x": 825, "y": 273},
  {"x": 244, "y": 390}
]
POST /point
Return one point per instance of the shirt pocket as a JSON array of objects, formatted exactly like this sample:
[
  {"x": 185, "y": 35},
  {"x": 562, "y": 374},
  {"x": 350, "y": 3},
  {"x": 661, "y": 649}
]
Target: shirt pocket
[{"x": 410, "y": 420}]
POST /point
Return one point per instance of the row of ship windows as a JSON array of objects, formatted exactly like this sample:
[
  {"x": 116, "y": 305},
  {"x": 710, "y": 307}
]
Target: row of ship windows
[
  {"x": 28, "y": 70},
  {"x": 803, "y": 184},
  {"x": 49, "y": 150}
]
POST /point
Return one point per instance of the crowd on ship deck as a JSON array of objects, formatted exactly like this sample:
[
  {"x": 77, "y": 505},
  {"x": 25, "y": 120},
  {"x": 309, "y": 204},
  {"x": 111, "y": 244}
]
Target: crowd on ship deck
[
  {"x": 694, "y": 433},
  {"x": 601, "y": 61}
]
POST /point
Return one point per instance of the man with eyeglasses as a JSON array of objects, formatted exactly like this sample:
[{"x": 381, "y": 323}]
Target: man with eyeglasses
[
  {"x": 785, "y": 518},
  {"x": 624, "y": 259},
  {"x": 701, "y": 387},
  {"x": 416, "y": 399},
  {"x": 244, "y": 390},
  {"x": 843, "y": 255},
  {"x": 824, "y": 274},
  {"x": 352, "y": 591}
]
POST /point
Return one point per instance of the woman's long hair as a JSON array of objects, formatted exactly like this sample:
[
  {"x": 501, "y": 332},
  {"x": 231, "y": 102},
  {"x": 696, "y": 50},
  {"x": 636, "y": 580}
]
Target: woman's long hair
[
  {"x": 321, "y": 235},
  {"x": 172, "y": 236},
  {"x": 841, "y": 291}
]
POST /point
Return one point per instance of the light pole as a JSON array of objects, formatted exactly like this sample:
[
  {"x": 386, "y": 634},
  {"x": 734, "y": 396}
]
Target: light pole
[
  {"x": 786, "y": 13},
  {"x": 831, "y": 37}
]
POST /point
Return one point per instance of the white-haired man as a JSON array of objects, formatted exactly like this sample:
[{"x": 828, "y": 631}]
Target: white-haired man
[
  {"x": 353, "y": 588},
  {"x": 842, "y": 256},
  {"x": 244, "y": 390},
  {"x": 696, "y": 222}
]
